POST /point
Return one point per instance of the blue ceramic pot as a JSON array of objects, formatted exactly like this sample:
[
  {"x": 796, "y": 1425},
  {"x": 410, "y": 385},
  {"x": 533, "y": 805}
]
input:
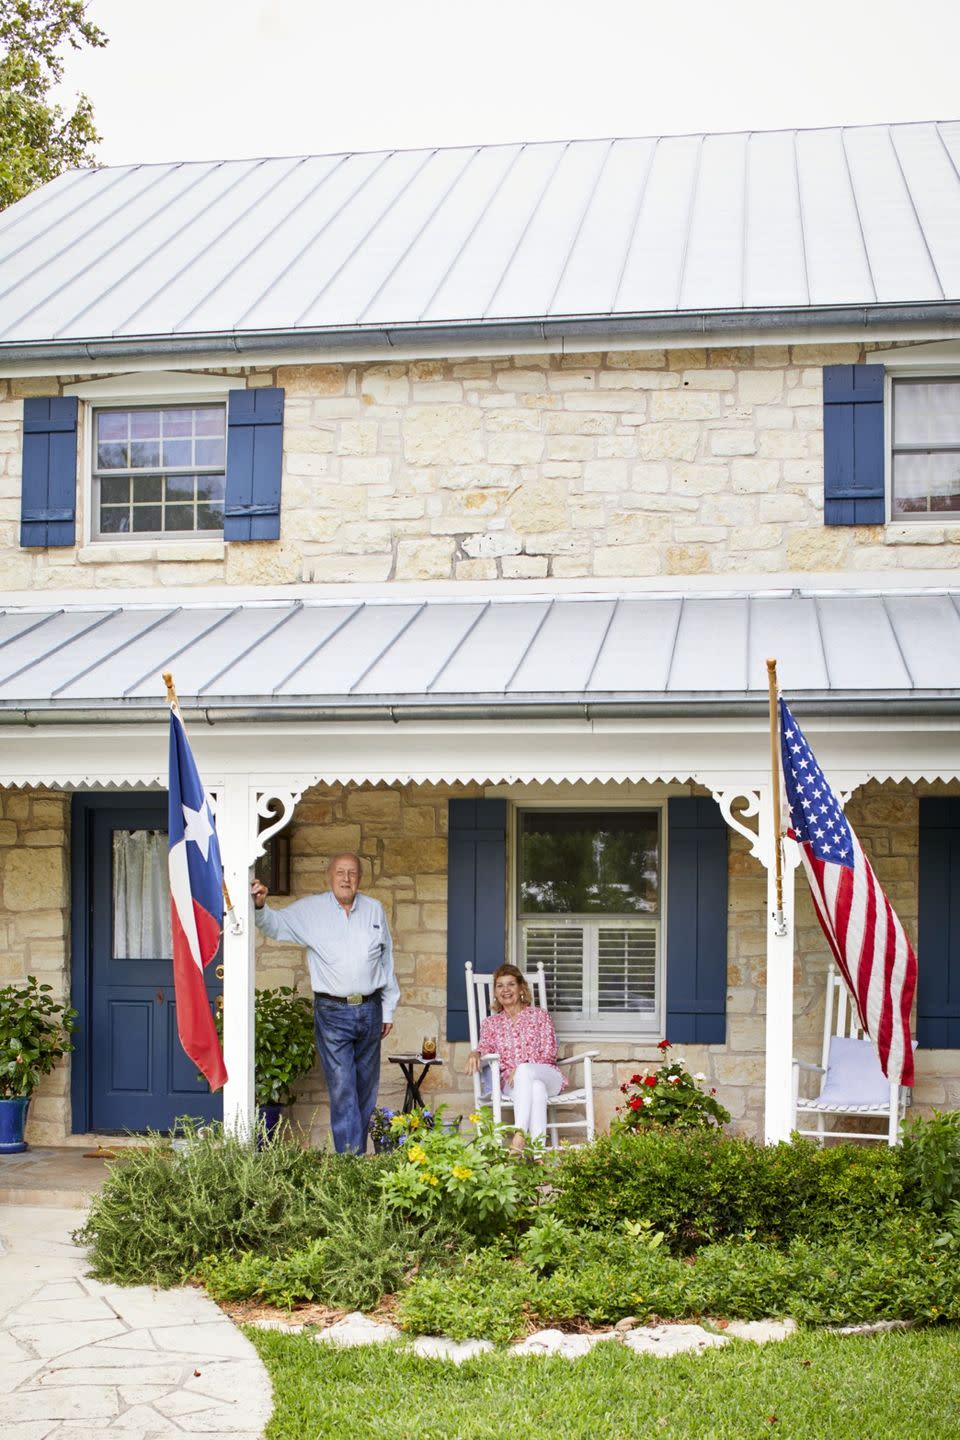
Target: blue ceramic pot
[
  {"x": 268, "y": 1119},
  {"x": 13, "y": 1119}
]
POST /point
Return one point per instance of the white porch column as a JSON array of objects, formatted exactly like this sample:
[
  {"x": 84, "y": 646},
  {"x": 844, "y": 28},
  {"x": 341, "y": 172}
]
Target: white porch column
[
  {"x": 236, "y": 831},
  {"x": 737, "y": 803},
  {"x": 778, "y": 1075}
]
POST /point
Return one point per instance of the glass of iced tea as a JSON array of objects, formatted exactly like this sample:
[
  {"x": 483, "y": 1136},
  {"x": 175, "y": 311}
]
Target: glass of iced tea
[{"x": 428, "y": 1048}]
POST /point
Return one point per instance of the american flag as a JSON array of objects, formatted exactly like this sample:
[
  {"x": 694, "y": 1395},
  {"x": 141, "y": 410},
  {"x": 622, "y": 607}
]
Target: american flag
[{"x": 867, "y": 939}]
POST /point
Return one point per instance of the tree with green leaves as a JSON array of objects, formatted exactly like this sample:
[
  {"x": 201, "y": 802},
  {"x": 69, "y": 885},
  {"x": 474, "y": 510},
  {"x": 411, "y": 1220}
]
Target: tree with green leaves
[{"x": 38, "y": 138}]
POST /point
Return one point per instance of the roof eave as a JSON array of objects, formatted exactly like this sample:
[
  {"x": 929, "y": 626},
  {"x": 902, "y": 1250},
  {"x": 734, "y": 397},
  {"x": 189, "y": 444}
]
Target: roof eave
[{"x": 675, "y": 326}]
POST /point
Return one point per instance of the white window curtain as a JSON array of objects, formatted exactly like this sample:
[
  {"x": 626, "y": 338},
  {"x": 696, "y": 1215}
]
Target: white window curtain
[{"x": 141, "y": 896}]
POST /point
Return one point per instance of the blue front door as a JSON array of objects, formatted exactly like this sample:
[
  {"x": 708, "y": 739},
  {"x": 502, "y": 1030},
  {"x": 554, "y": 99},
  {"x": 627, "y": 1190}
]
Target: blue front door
[{"x": 138, "y": 1076}]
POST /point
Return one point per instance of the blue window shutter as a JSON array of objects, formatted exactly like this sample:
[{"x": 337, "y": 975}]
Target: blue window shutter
[
  {"x": 254, "y": 460},
  {"x": 476, "y": 899},
  {"x": 48, "y": 492},
  {"x": 938, "y": 949},
  {"x": 853, "y": 447},
  {"x": 696, "y": 922}
]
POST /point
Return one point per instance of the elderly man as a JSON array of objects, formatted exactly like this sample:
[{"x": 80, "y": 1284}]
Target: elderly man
[{"x": 355, "y": 992}]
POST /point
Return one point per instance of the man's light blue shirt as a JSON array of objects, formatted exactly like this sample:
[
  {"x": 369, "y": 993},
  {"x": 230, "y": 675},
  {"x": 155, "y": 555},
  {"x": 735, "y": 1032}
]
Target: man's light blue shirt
[{"x": 349, "y": 952}]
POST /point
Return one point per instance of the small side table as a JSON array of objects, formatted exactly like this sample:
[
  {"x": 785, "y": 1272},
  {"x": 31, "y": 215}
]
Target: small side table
[{"x": 408, "y": 1064}]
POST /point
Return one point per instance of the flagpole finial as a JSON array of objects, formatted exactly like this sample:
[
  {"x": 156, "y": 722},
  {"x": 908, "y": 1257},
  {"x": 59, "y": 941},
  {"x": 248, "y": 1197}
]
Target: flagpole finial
[
  {"x": 772, "y": 670},
  {"x": 167, "y": 679}
]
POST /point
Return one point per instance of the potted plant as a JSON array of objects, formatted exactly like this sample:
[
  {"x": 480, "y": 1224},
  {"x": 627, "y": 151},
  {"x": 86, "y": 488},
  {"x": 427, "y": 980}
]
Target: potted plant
[
  {"x": 34, "y": 1035},
  {"x": 283, "y": 1050}
]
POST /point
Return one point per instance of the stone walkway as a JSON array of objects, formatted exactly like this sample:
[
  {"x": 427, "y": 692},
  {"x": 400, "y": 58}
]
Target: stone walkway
[{"x": 80, "y": 1359}]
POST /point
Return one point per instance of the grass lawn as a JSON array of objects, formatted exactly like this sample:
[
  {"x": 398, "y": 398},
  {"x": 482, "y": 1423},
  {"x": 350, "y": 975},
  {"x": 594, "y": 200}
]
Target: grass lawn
[{"x": 811, "y": 1387}]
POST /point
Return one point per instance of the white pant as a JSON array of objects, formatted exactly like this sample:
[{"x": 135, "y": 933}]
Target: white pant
[{"x": 529, "y": 1090}]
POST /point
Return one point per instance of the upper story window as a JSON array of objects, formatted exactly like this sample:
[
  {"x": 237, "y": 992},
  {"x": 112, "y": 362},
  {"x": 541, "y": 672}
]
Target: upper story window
[
  {"x": 589, "y": 898},
  {"x": 926, "y": 449},
  {"x": 159, "y": 471}
]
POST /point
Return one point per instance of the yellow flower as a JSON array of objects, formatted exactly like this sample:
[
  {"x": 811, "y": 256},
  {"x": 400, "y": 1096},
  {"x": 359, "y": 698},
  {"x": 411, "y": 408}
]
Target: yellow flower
[
  {"x": 414, "y": 1122},
  {"x": 474, "y": 1119},
  {"x": 461, "y": 1172},
  {"x": 431, "y": 1179},
  {"x": 417, "y": 1154}
]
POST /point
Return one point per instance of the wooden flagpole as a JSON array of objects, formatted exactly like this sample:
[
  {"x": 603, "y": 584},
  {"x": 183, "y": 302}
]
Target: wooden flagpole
[
  {"x": 781, "y": 928},
  {"x": 174, "y": 704}
]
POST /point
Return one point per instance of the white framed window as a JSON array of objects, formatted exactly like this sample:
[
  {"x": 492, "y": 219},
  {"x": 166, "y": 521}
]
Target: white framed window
[
  {"x": 924, "y": 447},
  {"x": 589, "y": 890},
  {"x": 146, "y": 392},
  {"x": 158, "y": 471}
]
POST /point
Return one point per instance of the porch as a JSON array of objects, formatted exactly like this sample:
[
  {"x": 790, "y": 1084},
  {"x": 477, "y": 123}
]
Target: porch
[{"x": 374, "y": 766}]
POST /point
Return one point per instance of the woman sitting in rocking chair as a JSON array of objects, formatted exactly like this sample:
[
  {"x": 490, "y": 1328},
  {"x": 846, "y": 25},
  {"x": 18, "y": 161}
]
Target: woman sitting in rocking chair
[{"x": 524, "y": 1038}]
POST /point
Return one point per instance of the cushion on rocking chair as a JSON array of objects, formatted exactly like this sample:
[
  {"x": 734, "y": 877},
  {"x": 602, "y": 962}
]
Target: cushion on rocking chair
[{"x": 854, "y": 1076}]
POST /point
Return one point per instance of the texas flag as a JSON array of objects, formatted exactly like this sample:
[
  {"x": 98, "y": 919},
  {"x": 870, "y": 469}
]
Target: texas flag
[{"x": 196, "y": 905}]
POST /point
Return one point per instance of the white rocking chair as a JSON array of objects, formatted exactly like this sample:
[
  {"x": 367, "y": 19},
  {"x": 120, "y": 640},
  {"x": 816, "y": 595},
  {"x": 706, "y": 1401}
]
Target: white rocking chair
[
  {"x": 479, "y": 996},
  {"x": 852, "y": 1083}
]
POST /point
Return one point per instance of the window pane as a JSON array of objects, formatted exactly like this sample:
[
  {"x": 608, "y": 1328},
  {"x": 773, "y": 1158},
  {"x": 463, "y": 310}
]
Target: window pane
[
  {"x": 112, "y": 425},
  {"x": 112, "y": 457},
  {"x": 144, "y": 454},
  {"x": 145, "y": 424},
  {"x": 560, "y": 951},
  {"x": 589, "y": 862},
  {"x": 627, "y": 970},
  {"x": 177, "y": 452},
  {"x": 177, "y": 422},
  {"x": 926, "y": 412},
  {"x": 178, "y": 517},
  {"x": 209, "y": 452},
  {"x": 146, "y": 487},
  {"x": 114, "y": 490},
  {"x": 926, "y": 484},
  {"x": 180, "y": 487},
  {"x": 211, "y": 487},
  {"x": 209, "y": 517},
  {"x": 114, "y": 519},
  {"x": 146, "y": 517},
  {"x": 211, "y": 422},
  {"x": 141, "y": 896}
]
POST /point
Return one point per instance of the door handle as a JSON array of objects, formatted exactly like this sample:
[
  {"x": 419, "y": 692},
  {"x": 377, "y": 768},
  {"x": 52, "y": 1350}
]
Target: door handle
[{"x": 159, "y": 997}]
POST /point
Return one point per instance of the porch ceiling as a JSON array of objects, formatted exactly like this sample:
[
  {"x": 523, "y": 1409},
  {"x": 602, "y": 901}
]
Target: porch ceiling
[{"x": 483, "y": 658}]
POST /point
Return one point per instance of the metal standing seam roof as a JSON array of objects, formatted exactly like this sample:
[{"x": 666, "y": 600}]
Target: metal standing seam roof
[
  {"x": 798, "y": 220},
  {"x": 495, "y": 656}
]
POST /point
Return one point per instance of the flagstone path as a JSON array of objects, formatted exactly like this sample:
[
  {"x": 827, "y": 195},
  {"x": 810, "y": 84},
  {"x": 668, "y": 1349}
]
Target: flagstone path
[{"x": 81, "y": 1359}]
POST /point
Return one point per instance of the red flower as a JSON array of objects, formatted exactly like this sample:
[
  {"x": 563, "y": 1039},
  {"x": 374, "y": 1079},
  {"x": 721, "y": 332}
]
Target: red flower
[
  {"x": 636, "y": 1080},
  {"x": 650, "y": 1080},
  {"x": 636, "y": 1103},
  {"x": 663, "y": 1044}
]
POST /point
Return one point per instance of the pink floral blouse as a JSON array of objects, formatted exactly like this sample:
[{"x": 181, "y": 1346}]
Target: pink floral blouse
[{"x": 530, "y": 1039}]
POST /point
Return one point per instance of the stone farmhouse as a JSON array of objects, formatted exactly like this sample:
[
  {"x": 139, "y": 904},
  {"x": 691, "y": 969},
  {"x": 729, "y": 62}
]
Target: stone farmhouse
[{"x": 465, "y": 492}]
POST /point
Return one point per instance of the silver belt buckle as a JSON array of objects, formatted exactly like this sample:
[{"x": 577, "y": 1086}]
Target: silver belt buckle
[{"x": 354, "y": 999}]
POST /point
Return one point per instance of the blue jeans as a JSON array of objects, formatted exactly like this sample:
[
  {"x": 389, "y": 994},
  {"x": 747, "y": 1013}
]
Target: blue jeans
[{"x": 348, "y": 1043}]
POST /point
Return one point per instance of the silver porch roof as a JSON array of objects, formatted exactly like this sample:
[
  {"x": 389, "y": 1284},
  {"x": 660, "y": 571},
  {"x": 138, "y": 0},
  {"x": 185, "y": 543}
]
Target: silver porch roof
[
  {"x": 488, "y": 237},
  {"x": 475, "y": 655}
]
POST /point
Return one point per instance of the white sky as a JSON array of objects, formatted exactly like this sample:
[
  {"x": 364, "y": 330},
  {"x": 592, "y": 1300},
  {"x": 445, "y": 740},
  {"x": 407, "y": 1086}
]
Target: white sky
[{"x": 203, "y": 79}]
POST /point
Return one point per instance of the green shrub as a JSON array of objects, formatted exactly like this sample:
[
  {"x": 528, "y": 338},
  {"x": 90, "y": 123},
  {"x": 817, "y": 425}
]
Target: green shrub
[
  {"x": 472, "y": 1178},
  {"x": 930, "y": 1154},
  {"x": 702, "y": 1187},
  {"x": 362, "y": 1257},
  {"x": 159, "y": 1214},
  {"x": 482, "y": 1296},
  {"x": 603, "y": 1278}
]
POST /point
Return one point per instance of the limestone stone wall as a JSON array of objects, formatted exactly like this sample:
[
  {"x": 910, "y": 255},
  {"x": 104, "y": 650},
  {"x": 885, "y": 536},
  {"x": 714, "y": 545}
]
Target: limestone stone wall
[
  {"x": 606, "y": 466},
  {"x": 34, "y": 925}
]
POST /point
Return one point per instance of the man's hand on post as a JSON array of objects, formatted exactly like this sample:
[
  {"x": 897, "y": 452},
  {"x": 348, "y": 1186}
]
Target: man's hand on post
[{"x": 259, "y": 892}]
